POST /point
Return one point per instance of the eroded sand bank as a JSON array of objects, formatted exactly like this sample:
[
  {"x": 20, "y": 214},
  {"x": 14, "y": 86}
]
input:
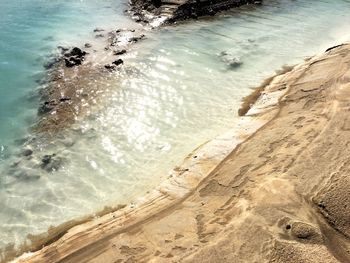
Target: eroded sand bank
[{"x": 278, "y": 192}]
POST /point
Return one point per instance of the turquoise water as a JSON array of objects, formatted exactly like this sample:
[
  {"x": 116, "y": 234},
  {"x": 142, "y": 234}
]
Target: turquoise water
[
  {"x": 181, "y": 86},
  {"x": 29, "y": 31}
]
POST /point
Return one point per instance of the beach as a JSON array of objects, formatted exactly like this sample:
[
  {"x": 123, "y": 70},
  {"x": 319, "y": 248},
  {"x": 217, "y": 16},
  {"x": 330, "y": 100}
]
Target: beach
[
  {"x": 174, "y": 131},
  {"x": 275, "y": 192}
]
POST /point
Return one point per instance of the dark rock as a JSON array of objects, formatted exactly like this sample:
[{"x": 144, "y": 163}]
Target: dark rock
[
  {"x": 46, "y": 159},
  {"x": 331, "y": 48},
  {"x": 135, "y": 39},
  {"x": 51, "y": 163},
  {"x": 231, "y": 61},
  {"x": 87, "y": 45},
  {"x": 76, "y": 52},
  {"x": 99, "y": 35},
  {"x": 119, "y": 52},
  {"x": 98, "y": 30},
  {"x": 234, "y": 63},
  {"x": 118, "y": 62},
  {"x": 110, "y": 67},
  {"x": 64, "y": 99},
  {"x": 27, "y": 152},
  {"x": 74, "y": 57},
  {"x": 47, "y": 106},
  {"x": 187, "y": 9},
  {"x": 72, "y": 61}
]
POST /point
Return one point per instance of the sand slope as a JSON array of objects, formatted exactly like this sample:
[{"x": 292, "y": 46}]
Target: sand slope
[{"x": 281, "y": 196}]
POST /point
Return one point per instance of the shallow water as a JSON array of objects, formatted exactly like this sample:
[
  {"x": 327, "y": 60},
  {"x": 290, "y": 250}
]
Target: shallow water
[{"x": 181, "y": 87}]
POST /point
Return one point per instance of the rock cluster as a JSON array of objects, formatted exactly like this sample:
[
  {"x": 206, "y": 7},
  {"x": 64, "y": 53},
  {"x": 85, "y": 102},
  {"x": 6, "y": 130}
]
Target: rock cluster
[
  {"x": 175, "y": 10},
  {"x": 74, "y": 57}
]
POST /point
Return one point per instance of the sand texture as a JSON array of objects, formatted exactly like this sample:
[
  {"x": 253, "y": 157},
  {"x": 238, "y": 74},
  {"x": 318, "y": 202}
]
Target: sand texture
[{"x": 279, "y": 193}]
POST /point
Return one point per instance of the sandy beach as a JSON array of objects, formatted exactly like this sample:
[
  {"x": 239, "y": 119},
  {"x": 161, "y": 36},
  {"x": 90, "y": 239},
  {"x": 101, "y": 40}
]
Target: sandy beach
[{"x": 275, "y": 192}]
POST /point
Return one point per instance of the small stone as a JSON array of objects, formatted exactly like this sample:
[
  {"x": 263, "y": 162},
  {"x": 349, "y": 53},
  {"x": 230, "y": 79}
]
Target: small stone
[
  {"x": 46, "y": 159},
  {"x": 76, "y": 52},
  {"x": 118, "y": 62},
  {"x": 87, "y": 45},
  {"x": 120, "y": 52},
  {"x": 98, "y": 30},
  {"x": 110, "y": 67},
  {"x": 72, "y": 61},
  {"x": 47, "y": 106},
  {"x": 27, "y": 152},
  {"x": 51, "y": 163},
  {"x": 64, "y": 99}
]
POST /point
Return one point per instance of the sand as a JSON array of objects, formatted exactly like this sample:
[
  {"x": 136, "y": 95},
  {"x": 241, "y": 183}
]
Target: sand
[{"x": 277, "y": 192}]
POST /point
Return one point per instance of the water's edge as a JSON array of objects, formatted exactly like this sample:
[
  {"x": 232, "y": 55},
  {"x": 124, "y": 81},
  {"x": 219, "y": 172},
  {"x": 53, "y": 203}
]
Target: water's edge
[
  {"x": 199, "y": 164},
  {"x": 184, "y": 178}
]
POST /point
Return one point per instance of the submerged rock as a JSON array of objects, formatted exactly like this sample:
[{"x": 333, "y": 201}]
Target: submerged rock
[
  {"x": 98, "y": 29},
  {"x": 62, "y": 49},
  {"x": 64, "y": 99},
  {"x": 77, "y": 52},
  {"x": 110, "y": 67},
  {"x": 119, "y": 52},
  {"x": 52, "y": 62},
  {"x": 27, "y": 152},
  {"x": 74, "y": 57},
  {"x": 47, "y": 106},
  {"x": 231, "y": 61},
  {"x": 72, "y": 61},
  {"x": 51, "y": 162},
  {"x": 118, "y": 62},
  {"x": 136, "y": 39}
]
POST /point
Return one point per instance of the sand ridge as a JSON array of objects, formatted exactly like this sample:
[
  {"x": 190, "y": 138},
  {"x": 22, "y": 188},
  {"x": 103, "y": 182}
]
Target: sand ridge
[{"x": 280, "y": 196}]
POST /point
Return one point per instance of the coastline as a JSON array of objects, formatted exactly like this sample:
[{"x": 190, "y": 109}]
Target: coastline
[
  {"x": 203, "y": 182},
  {"x": 183, "y": 180},
  {"x": 63, "y": 96}
]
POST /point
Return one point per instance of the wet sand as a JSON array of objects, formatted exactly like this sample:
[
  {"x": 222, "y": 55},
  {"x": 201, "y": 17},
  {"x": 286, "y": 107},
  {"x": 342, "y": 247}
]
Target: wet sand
[{"x": 276, "y": 192}]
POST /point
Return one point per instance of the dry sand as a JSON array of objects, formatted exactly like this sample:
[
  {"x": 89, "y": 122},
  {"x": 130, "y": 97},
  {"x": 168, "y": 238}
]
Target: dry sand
[{"x": 282, "y": 194}]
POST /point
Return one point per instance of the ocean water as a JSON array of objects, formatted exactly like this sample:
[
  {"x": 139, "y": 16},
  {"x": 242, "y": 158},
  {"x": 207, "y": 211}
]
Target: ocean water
[{"x": 180, "y": 87}]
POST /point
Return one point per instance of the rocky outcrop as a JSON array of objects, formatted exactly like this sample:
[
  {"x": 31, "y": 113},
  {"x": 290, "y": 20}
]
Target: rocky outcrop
[
  {"x": 174, "y": 10},
  {"x": 73, "y": 73}
]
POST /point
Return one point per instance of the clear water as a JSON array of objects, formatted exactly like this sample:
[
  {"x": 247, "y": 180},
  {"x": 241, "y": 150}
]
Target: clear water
[{"x": 177, "y": 91}]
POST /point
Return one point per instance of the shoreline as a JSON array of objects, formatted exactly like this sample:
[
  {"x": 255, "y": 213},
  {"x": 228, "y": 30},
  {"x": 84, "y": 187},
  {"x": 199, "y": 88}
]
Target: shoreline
[
  {"x": 217, "y": 148},
  {"x": 184, "y": 180},
  {"x": 61, "y": 105}
]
